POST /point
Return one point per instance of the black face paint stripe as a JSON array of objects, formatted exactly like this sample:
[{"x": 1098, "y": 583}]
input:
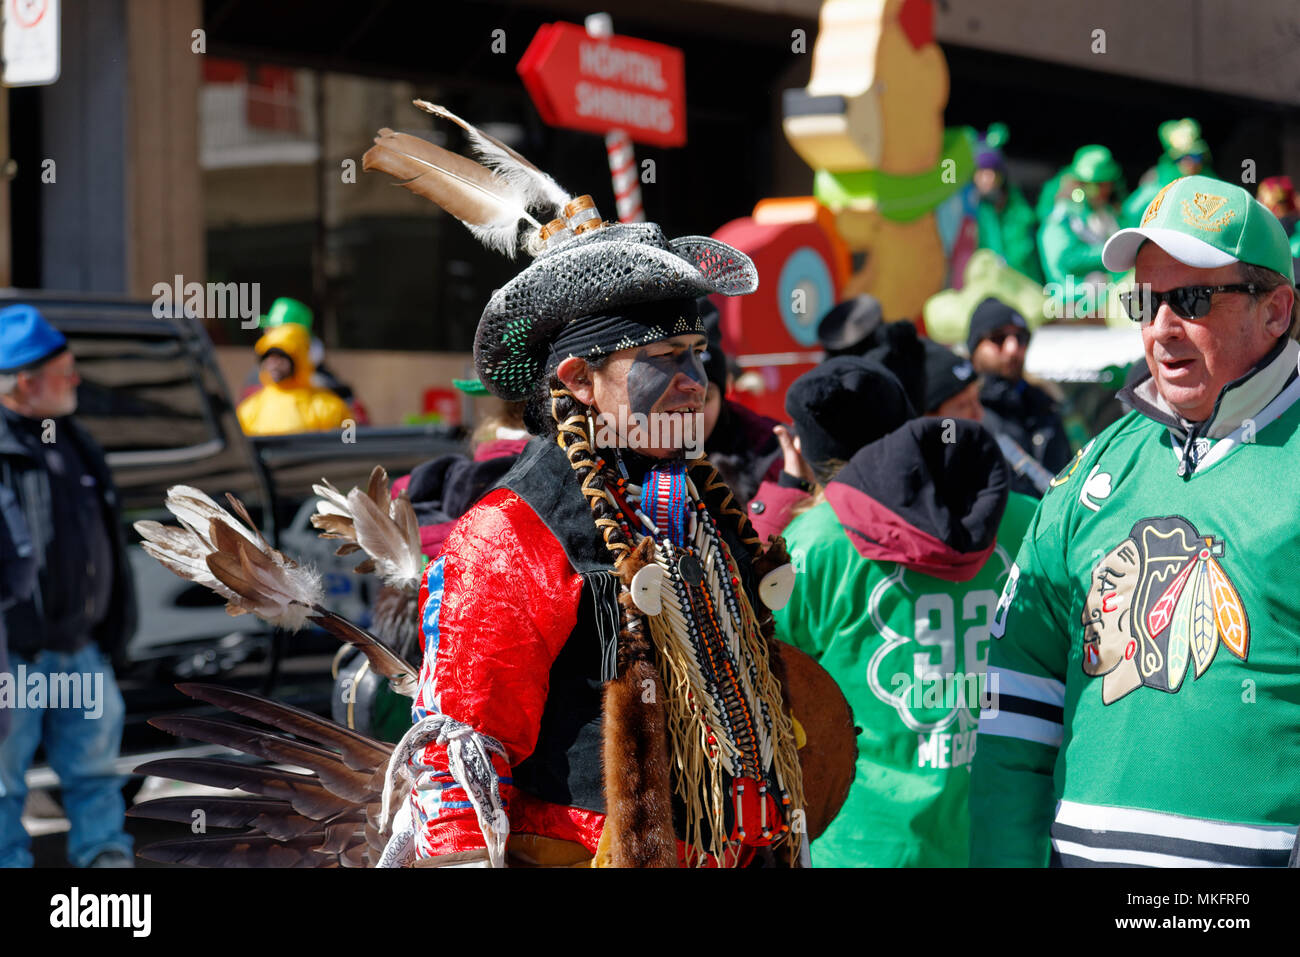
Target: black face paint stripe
[{"x": 649, "y": 377}]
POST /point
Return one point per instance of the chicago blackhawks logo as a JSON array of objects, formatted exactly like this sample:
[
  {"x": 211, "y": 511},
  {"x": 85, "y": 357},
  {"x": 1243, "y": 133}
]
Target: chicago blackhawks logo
[{"x": 1159, "y": 604}]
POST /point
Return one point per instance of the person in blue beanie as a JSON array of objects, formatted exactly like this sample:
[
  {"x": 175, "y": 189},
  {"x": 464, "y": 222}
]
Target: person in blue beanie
[{"x": 59, "y": 688}]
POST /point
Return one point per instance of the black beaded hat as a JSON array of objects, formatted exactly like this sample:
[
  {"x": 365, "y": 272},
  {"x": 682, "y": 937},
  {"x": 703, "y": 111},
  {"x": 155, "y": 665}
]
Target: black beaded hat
[{"x": 598, "y": 272}]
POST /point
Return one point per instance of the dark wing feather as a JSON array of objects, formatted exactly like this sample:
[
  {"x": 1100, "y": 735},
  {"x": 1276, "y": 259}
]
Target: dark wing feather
[
  {"x": 360, "y": 753},
  {"x": 304, "y": 793},
  {"x": 383, "y": 659},
  {"x": 324, "y": 819},
  {"x": 273, "y": 818},
  {"x": 245, "y": 850},
  {"x": 356, "y": 786}
]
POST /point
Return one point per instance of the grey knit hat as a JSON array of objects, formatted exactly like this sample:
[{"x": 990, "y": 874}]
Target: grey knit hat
[{"x": 620, "y": 264}]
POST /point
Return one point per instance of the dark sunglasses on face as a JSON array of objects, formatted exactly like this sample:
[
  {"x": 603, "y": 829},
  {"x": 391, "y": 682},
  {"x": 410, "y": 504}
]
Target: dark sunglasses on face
[
  {"x": 998, "y": 338},
  {"x": 1187, "y": 302}
]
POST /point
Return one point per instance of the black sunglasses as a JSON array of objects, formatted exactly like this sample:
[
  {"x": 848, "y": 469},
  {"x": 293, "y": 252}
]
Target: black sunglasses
[
  {"x": 1187, "y": 302},
  {"x": 998, "y": 338}
]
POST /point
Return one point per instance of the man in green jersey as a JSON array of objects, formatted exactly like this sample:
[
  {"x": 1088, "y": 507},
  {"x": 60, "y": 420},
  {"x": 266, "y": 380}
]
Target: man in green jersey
[{"x": 1145, "y": 653}]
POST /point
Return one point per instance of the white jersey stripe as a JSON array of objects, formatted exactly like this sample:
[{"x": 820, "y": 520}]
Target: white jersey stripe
[
  {"x": 1118, "y": 855},
  {"x": 1092, "y": 817},
  {"x": 1020, "y": 685},
  {"x": 1009, "y": 724}
]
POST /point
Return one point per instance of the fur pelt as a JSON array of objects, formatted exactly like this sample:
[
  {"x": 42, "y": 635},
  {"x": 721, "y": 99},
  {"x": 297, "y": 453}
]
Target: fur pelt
[{"x": 638, "y": 786}]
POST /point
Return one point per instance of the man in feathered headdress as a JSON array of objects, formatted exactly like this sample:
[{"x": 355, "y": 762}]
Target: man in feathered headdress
[
  {"x": 598, "y": 678},
  {"x": 599, "y": 681}
]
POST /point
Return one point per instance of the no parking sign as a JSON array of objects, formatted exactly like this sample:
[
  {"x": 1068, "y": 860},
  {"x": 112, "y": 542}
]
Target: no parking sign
[{"x": 31, "y": 42}]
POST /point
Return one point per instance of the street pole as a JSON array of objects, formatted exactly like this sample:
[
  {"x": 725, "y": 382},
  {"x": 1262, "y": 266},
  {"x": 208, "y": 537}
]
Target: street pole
[{"x": 6, "y": 173}]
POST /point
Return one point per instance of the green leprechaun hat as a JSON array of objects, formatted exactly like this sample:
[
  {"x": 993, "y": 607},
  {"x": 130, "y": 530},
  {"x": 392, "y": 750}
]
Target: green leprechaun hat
[{"x": 287, "y": 311}]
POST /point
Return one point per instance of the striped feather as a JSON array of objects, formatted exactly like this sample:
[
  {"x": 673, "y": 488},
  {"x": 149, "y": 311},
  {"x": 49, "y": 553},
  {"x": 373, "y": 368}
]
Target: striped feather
[
  {"x": 1163, "y": 610},
  {"x": 1234, "y": 626},
  {"x": 1203, "y": 636},
  {"x": 1180, "y": 640}
]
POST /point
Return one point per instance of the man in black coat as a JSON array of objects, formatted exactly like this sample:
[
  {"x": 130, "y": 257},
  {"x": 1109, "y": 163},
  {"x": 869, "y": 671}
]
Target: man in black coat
[
  {"x": 998, "y": 341},
  {"x": 59, "y": 686}
]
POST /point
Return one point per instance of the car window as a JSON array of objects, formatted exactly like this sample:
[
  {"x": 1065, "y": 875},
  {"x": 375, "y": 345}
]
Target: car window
[{"x": 140, "y": 394}]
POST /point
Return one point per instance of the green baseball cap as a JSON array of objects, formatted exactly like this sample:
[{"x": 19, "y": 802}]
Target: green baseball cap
[
  {"x": 286, "y": 310},
  {"x": 1094, "y": 164},
  {"x": 1206, "y": 223}
]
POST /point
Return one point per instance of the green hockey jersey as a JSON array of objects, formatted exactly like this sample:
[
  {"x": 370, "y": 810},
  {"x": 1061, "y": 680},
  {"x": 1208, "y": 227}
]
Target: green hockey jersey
[
  {"x": 1147, "y": 649},
  {"x": 908, "y": 650}
]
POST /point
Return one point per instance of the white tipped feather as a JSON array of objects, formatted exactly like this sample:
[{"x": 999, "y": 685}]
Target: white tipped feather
[
  {"x": 384, "y": 527},
  {"x": 216, "y": 550},
  {"x": 182, "y": 552},
  {"x": 539, "y": 188},
  {"x": 332, "y": 501},
  {"x": 195, "y": 509}
]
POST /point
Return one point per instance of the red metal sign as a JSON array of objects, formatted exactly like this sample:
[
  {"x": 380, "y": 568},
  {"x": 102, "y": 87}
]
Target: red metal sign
[{"x": 597, "y": 85}]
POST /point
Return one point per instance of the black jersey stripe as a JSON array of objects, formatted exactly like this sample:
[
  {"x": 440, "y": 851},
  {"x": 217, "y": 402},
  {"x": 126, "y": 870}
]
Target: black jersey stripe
[
  {"x": 1058, "y": 859},
  {"x": 1172, "y": 846},
  {"x": 1031, "y": 708}
]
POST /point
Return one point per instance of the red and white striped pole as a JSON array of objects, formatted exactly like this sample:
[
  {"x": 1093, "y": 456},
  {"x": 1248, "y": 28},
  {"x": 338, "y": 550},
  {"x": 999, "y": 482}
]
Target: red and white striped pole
[
  {"x": 618, "y": 146},
  {"x": 627, "y": 184}
]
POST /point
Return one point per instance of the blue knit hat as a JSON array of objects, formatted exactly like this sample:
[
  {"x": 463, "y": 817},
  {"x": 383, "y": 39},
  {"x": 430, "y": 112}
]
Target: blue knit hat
[{"x": 26, "y": 339}]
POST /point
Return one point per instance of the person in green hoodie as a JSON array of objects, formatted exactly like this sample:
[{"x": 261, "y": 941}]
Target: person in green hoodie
[
  {"x": 899, "y": 562},
  {"x": 1070, "y": 240},
  {"x": 1186, "y": 154},
  {"x": 1004, "y": 218}
]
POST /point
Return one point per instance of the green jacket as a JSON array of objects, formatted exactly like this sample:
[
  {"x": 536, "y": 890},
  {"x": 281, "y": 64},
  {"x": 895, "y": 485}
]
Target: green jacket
[
  {"x": 1153, "y": 181},
  {"x": 1011, "y": 232},
  {"x": 907, "y": 649},
  {"x": 1145, "y": 652}
]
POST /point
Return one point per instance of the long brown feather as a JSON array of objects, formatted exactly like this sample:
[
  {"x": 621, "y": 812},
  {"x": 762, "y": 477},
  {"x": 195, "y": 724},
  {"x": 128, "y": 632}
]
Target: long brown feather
[
  {"x": 273, "y": 818},
  {"x": 383, "y": 660},
  {"x": 488, "y": 204},
  {"x": 377, "y": 487},
  {"x": 504, "y": 161},
  {"x": 241, "y": 851}
]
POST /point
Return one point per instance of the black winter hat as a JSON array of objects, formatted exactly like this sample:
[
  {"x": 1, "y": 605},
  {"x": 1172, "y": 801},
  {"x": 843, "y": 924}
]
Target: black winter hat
[
  {"x": 842, "y": 405},
  {"x": 902, "y": 352},
  {"x": 990, "y": 315},
  {"x": 946, "y": 374},
  {"x": 850, "y": 327}
]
